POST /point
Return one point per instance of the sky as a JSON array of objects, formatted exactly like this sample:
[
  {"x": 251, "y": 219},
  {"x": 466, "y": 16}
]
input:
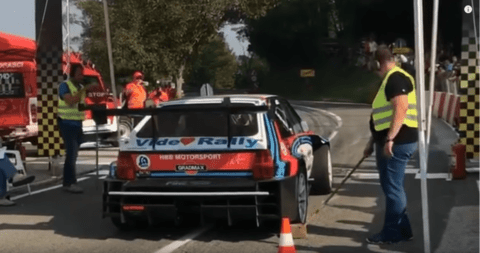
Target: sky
[{"x": 18, "y": 17}]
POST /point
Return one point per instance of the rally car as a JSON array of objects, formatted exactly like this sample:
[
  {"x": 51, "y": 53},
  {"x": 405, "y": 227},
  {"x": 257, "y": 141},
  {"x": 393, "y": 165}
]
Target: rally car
[{"x": 231, "y": 157}]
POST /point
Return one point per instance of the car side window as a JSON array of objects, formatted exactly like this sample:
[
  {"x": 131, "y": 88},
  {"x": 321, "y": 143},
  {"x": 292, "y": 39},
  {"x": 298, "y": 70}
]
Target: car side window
[
  {"x": 292, "y": 117},
  {"x": 282, "y": 118}
]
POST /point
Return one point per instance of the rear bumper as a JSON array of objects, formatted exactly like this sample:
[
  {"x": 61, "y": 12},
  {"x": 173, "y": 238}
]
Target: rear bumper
[{"x": 205, "y": 198}]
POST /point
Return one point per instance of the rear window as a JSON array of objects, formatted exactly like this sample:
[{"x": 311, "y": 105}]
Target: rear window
[
  {"x": 195, "y": 124},
  {"x": 11, "y": 85}
]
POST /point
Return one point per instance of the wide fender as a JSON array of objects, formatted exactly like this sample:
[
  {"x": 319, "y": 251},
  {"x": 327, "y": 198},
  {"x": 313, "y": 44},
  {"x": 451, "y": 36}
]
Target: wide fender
[{"x": 304, "y": 148}]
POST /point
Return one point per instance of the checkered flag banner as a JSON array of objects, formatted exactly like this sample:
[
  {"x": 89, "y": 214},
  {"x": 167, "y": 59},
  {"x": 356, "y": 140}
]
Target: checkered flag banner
[
  {"x": 469, "y": 85},
  {"x": 49, "y": 76}
]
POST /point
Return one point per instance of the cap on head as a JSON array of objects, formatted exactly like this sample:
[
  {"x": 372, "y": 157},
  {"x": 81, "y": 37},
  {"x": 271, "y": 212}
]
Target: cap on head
[{"x": 137, "y": 75}]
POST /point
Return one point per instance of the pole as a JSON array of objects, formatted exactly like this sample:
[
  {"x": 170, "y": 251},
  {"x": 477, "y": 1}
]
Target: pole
[
  {"x": 96, "y": 154},
  {"x": 419, "y": 62},
  {"x": 432, "y": 71},
  {"x": 110, "y": 60}
]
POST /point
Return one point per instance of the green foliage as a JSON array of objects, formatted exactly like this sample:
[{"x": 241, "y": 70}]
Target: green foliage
[
  {"x": 215, "y": 64},
  {"x": 332, "y": 82},
  {"x": 158, "y": 36},
  {"x": 290, "y": 34}
]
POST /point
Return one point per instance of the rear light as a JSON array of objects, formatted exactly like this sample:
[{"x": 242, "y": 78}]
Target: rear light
[
  {"x": 33, "y": 112},
  {"x": 125, "y": 167},
  {"x": 264, "y": 166},
  {"x": 133, "y": 208},
  {"x": 88, "y": 114}
]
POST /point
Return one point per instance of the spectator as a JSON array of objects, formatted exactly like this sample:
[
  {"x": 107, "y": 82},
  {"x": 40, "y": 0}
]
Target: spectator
[
  {"x": 160, "y": 94},
  {"x": 8, "y": 173},
  {"x": 135, "y": 93},
  {"x": 394, "y": 128}
]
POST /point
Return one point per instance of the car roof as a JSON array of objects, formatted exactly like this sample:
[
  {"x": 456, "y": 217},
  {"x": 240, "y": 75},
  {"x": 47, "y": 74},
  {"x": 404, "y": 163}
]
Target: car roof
[{"x": 257, "y": 99}]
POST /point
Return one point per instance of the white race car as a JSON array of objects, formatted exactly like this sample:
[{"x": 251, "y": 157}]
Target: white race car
[{"x": 234, "y": 157}]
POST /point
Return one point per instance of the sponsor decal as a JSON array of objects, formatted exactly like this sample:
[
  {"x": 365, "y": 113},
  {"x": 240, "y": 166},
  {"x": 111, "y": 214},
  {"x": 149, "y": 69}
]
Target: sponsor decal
[
  {"x": 191, "y": 169},
  {"x": 11, "y": 65},
  {"x": 191, "y": 157},
  {"x": 186, "y": 141},
  {"x": 202, "y": 141},
  {"x": 143, "y": 162}
]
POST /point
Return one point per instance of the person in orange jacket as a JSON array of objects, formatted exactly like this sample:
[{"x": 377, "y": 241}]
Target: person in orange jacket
[
  {"x": 159, "y": 95},
  {"x": 172, "y": 92},
  {"x": 135, "y": 93}
]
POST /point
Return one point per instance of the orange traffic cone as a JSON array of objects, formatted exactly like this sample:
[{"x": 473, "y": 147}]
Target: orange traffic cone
[{"x": 286, "y": 238}]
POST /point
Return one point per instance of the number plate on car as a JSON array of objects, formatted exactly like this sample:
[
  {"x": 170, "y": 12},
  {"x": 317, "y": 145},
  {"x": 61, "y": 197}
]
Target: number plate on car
[{"x": 190, "y": 167}]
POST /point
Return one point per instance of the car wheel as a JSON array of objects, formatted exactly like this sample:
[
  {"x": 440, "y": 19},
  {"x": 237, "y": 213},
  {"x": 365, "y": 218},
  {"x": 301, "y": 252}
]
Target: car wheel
[
  {"x": 124, "y": 128},
  {"x": 322, "y": 171},
  {"x": 301, "y": 193}
]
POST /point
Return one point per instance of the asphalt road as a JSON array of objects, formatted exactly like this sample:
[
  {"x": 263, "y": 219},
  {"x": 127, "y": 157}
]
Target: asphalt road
[{"x": 55, "y": 221}]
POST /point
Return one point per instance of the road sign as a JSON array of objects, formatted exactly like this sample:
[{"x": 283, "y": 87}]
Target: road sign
[{"x": 307, "y": 73}]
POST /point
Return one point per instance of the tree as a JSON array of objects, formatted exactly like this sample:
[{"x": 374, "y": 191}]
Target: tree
[
  {"x": 159, "y": 36},
  {"x": 251, "y": 70},
  {"x": 290, "y": 34},
  {"x": 215, "y": 64}
]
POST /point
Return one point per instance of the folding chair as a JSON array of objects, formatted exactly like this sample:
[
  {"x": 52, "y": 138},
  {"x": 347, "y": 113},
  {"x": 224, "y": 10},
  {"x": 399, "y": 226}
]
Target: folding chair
[{"x": 16, "y": 160}]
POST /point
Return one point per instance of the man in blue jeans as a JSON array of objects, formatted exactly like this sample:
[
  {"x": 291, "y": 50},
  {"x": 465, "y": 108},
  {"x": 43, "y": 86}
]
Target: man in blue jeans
[
  {"x": 394, "y": 128},
  {"x": 70, "y": 94},
  {"x": 8, "y": 173}
]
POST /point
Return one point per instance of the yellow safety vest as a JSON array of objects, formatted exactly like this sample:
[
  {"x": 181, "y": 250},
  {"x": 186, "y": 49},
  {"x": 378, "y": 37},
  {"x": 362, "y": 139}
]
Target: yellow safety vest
[
  {"x": 71, "y": 112},
  {"x": 383, "y": 109}
]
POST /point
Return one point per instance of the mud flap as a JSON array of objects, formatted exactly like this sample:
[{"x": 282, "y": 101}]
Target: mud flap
[{"x": 287, "y": 198}]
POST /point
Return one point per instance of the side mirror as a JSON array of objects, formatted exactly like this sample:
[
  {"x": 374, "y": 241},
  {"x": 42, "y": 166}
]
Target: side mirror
[{"x": 304, "y": 126}]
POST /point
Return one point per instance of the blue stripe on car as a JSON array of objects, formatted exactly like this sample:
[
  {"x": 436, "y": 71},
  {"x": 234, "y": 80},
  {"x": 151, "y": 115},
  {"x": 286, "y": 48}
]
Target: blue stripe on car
[{"x": 273, "y": 146}]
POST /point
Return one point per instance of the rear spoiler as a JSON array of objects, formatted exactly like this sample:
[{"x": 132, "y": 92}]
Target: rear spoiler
[{"x": 100, "y": 112}]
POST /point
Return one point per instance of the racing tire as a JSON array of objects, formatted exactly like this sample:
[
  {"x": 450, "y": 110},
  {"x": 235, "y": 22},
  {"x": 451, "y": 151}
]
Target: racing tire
[
  {"x": 322, "y": 171},
  {"x": 125, "y": 127},
  {"x": 301, "y": 196}
]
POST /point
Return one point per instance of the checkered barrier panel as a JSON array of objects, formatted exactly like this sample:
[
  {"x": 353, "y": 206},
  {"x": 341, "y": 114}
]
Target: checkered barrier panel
[
  {"x": 469, "y": 88},
  {"x": 49, "y": 76}
]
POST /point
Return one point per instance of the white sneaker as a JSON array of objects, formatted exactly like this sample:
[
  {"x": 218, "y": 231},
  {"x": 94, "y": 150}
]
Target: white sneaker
[
  {"x": 6, "y": 202},
  {"x": 74, "y": 188}
]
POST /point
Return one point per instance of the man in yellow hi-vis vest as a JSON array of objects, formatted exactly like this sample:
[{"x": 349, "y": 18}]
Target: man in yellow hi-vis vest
[
  {"x": 393, "y": 125},
  {"x": 70, "y": 94}
]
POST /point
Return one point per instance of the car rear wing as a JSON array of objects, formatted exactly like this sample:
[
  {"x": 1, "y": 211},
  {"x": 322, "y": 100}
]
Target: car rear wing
[{"x": 100, "y": 112}]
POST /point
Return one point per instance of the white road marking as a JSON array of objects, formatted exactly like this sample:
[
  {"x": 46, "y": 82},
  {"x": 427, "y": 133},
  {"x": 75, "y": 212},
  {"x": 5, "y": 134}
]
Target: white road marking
[
  {"x": 366, "y": 175},
  {"x": 472, "y": 170},
  {"x": 337, "y": 118},
  {"x": 100, "y": 172},
  {"x": 184, "y": 240},
  {"x": 407, "y": 171},
  {"x": 433, "y": 176},
  {"x": 44, "y": 190}
]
